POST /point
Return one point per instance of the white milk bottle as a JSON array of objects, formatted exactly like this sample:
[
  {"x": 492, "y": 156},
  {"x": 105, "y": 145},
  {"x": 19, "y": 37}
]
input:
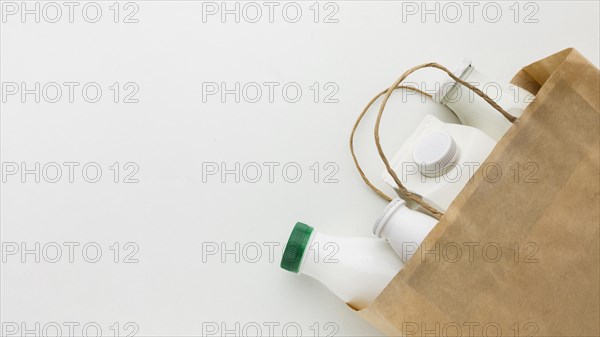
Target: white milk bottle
[
  {"x": 472, "y": 110},
  {"x": 354, "y": 269},
  {"x": 438, "y": 159},
  {"x": 403, "y": 228}
]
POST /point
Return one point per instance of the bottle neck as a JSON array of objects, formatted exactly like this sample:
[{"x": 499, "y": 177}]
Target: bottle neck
[{"x": 308, "y": 257}]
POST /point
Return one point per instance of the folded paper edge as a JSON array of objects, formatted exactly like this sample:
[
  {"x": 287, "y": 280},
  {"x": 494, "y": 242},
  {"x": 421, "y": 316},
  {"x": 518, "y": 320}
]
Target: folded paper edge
[{"x": 533, "y": 76}]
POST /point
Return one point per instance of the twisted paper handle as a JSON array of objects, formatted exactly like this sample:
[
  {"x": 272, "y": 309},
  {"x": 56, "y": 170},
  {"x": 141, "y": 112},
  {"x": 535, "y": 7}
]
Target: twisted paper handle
[{"x": 387, "y": 93}]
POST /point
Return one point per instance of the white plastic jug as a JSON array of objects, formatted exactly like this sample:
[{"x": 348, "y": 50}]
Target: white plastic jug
[
  {"x": 438, "y": 159},
  {"x": 355, "y": 269}
]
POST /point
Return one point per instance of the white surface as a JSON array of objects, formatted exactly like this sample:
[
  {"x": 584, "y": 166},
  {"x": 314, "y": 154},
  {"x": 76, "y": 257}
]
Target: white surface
[{"x": 170, "y": 213}]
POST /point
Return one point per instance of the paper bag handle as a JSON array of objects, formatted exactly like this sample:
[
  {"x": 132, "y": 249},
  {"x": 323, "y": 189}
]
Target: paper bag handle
[{"x": 387, "y": 93}]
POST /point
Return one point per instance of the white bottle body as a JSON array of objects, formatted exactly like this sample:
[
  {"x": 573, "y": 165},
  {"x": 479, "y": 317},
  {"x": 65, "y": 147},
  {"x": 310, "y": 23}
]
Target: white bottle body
[
  {"x": 355, "y": 269},
  {"x": 473, "y": 111},
  {"x": 474, "y": 147}
]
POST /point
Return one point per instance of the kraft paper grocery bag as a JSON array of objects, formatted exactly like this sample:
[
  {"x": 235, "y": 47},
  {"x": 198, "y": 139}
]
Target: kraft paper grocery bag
[{"x": 517, "y": 253}]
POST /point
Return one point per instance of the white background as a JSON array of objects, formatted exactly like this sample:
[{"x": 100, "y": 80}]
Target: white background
[{"x": 171, "y": 214}]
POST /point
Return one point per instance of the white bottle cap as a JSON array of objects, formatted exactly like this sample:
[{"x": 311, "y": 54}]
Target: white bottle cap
[
  {"x": 435, "y": 153},
  {"x": 386, "y": 214}
]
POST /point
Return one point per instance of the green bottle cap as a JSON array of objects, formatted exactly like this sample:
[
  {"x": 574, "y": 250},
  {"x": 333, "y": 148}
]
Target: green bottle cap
[{"x": 294, "y": 250}]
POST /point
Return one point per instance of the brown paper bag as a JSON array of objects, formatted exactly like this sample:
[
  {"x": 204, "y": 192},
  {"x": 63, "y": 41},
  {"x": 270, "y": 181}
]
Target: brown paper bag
[{"x": 517, "y": 253}]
